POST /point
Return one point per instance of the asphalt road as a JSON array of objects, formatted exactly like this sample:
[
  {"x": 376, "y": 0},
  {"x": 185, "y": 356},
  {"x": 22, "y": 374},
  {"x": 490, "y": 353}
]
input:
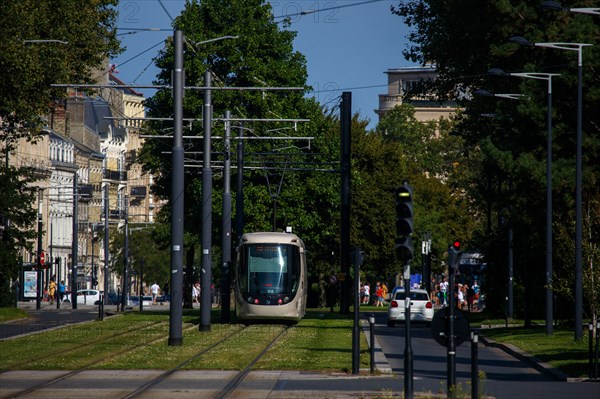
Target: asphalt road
[{"x": 506, "y": 375}]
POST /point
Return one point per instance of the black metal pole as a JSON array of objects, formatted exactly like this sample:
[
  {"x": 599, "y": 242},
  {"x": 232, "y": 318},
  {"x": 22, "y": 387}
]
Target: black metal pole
[
  {"x": 206, "y": 272},
  {"x": 39, "y": 293},
  {"x": 372, "y": 341},
  {"x": 591, "y": 350},
  {"x": 141, "y": 285},
  {"x": 75, "y": 244},
  {"x": 355, "y": 328},
  {"x": 597, "y": 349},
  {"x": 451, "y": 383},
  {"x": 578, "y": 209},
  {"x": 106, "y": 255},
  {"x": 58, "y": 294},
  {"x": 345, "y": 122},
  {"x": 239, "y": 194},
  {"x": 549, "y": 319},
  {"x": 408, "y": 355},
  {"x": 226, "y": 225},
  {"x": 125, "y": 265},
  {"x": 474, "y": 365},
  {"x": 177, "y": 204}
]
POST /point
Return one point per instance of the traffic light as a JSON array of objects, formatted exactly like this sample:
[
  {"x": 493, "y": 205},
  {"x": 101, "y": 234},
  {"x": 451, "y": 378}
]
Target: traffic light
[
  {"x": 454, "y": 254},
  {"x": 404, "y": 222}
]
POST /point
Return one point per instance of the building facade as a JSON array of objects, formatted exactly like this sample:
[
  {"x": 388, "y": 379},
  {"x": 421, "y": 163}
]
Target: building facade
[{"x": 404, "y": 86}]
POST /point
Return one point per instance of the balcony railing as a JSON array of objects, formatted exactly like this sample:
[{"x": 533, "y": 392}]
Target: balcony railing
[{"x": 118, "y": 175}]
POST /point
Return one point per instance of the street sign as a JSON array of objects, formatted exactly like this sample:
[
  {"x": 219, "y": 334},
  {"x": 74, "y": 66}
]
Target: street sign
[
  {"x": 42, "y": 258},
  {"x": 439, "y": 326}
]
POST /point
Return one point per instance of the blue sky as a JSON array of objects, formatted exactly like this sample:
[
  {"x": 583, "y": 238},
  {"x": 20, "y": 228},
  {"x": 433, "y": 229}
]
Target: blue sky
[{"x": 348, "y": 45}]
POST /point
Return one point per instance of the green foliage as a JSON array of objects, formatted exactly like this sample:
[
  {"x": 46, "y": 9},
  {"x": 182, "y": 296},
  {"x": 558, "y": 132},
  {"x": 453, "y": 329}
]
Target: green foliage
[
  {"x": 28, "y": 70},
  {"x": 17, "y": 221},
  {"x": 147, "y": 244},
  {"x": 506, "y": 155}
]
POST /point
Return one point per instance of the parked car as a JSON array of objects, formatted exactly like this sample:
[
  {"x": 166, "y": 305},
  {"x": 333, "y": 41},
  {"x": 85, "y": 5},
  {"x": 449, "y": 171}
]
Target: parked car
[
  {"x": 88, "y": 297},
  {"x": 421, "y": 307}
]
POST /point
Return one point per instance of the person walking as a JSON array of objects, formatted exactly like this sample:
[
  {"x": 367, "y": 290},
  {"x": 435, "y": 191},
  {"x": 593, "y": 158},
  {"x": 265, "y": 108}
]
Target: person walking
[
  {"x": 155, "y": 288},
  {"x": 51, "y": 291}
]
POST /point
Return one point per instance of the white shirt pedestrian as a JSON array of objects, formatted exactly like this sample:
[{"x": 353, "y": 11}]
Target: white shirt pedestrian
[{"x": 154, "y": 288}]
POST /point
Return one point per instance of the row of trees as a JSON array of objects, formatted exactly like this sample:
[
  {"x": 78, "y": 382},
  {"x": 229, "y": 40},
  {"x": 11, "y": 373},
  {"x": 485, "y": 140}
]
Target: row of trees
[
  {"x": 74, "y": 38},
  {"x": 506, "y": 181}
]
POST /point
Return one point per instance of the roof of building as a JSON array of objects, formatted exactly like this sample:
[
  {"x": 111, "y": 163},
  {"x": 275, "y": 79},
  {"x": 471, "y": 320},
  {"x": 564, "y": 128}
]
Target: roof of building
[{"x": 113, "y": 80}]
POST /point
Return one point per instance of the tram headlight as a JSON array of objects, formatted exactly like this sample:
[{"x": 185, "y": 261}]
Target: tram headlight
[{"x": 286, "y": 299}]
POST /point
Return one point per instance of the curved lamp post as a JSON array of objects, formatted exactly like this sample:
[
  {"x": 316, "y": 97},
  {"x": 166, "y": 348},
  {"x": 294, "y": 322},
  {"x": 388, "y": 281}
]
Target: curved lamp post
[
  {"x": 547, "y": 77},
  {"x": 555, "y": 5},
  {"x": 578, "y": 173}
]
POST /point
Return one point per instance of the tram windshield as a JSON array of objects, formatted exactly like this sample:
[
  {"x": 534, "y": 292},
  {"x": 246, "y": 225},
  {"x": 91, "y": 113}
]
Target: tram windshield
[{"x": 269, "y": 269}]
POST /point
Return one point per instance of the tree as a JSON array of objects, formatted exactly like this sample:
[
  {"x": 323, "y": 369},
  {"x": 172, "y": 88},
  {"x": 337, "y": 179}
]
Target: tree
[
  {"x": 261, "y": 55},
  {"x": 87, "y": 37},
  {"x": 511, "y": 175}
]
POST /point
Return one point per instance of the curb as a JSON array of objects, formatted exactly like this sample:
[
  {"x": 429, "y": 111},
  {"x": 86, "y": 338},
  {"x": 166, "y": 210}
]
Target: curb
[{"x": 381, "y": 363}]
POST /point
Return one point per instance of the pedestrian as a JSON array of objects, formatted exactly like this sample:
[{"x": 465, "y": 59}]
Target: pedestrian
[
  {"x": 51, "y": 291},
  {"x": 195, "y": 293},
  {"x": 62, "y": 290},
  {"x": 470, "y": 298},
  {"x": 378, "y": 294},
  {"x": 444, "y": 291},
  {"x": 367, "y": 298},
  {"x": 155, "y": 289},
  {"x": 166, "y": 291},
  {"x": 384, "y": 292}
]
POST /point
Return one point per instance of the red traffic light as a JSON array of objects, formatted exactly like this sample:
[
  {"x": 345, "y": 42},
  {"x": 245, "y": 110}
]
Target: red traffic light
[{"x": 456, "y": 245}]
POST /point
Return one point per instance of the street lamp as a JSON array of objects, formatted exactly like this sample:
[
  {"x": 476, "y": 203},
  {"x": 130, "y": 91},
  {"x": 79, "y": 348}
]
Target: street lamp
[
  {"x": 555, "y": 5},
  {"x": 547, "y": 77},
  {"x": 578, "y": 172},
  {"x": 45, "y": 41},
  {"x": 485, "y": 93}
]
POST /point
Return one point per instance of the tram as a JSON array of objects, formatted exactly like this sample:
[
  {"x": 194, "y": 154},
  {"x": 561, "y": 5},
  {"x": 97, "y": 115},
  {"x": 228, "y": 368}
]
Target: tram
[{"x": 271, "y": 277}]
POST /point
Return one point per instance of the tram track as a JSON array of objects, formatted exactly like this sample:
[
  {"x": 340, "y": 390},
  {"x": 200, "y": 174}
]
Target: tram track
[
  {"x": 87, "y": 366},
  {"x": 233, "y": 383},
  {"x": 53, "y": 354},
  {"x": 148, "y": 387}
]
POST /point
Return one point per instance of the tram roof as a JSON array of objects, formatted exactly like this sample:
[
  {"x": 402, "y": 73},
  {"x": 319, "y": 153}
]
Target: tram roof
[{"x": 270, "y": 237}]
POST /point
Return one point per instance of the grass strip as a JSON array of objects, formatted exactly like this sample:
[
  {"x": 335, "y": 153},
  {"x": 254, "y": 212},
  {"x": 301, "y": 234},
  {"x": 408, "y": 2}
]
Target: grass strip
[
  {"x": 7, "y": 314},
  {"x": 559, "y": 349}
]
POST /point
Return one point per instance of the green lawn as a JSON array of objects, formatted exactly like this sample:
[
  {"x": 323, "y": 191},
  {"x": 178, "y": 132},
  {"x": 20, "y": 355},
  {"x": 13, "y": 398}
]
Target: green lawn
[
  {"x": 321, "y": 341},
  {"x": 7, "y": 314}
]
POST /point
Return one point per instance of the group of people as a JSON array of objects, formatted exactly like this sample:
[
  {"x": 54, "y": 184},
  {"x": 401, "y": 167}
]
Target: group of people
[
  {"x": 381, "y": 291},
  {"x": 466, "y": 296}
]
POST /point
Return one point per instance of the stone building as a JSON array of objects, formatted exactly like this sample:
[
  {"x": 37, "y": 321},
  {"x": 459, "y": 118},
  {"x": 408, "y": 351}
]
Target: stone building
[{"x": 401, "y": 82}]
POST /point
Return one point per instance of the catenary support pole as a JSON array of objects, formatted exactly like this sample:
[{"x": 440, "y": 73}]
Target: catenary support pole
[
  {"x": 177, "y": 187},
  {"x": 346, "y": 122},
  {"x": 226, "y": 224},
  {"x": 206, "y": 270},
  {"x": 106, "y": 255},
  {"x": 75, "y": 244}
]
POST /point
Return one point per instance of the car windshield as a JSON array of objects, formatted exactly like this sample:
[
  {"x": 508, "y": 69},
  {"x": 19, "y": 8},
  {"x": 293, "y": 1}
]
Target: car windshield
[{"x": 415, "y": 296}]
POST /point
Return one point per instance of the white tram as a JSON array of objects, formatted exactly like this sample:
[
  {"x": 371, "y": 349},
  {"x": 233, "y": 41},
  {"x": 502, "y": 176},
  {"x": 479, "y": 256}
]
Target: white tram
[{"x": 271, "y": 277}]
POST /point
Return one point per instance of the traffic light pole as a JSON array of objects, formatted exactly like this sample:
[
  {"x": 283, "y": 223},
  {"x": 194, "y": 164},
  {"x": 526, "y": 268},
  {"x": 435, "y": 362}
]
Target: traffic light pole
[{"x": 408, "y": 354}]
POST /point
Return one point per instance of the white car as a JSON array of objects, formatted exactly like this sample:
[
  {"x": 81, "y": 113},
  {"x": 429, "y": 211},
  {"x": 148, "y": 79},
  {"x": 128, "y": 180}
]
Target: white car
[
  {"x": 88, "y": 297},
  {"x": 421, "y": 308}
]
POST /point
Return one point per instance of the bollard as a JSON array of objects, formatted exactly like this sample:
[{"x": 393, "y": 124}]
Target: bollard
[
  {"x": 474, "y": 365},
  {"x": 372, "y": 339},
  {"x": 101, "y": 309},
  {"x": 591, "y": 349},
  {"x": 597, "y": 350}
]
